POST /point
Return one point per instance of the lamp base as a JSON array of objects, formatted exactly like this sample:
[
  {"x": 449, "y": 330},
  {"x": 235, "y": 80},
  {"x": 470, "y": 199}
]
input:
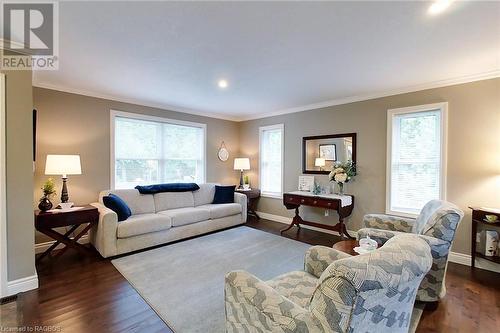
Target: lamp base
[
  {"x": 64, "y": 191},
  {"x": 241, "y": 179}
]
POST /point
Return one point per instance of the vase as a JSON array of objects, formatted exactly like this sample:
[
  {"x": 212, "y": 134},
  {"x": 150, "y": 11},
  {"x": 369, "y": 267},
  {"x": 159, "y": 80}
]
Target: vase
[
  {"x": 44, "y": 204},
  {"x": 341, "y": 188}
]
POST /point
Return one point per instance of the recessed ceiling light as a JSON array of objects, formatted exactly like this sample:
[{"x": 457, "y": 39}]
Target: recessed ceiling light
[
  {"x": 439, "y": 6},
  {"x": 222, "y": 84}
]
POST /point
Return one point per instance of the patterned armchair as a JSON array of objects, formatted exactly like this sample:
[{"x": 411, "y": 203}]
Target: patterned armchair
[
  {"x": 437, "y": 224},
  {"x": 374, "y": 292}
]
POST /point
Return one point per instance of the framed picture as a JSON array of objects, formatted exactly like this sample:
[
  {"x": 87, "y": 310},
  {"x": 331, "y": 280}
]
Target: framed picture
[
  {"x": 328, "y": 152},
  {"x": 306, "y": 183}
]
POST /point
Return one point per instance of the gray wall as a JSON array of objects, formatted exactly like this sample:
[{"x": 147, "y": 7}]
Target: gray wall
[
  {"x": 473, "y": 149},
  {"x": 76, "y": 124},
  {"x": 19, "y": 106}
]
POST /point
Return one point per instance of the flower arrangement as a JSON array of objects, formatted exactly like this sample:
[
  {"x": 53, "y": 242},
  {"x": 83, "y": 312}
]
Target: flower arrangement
[{"x": 342, "y": 173}]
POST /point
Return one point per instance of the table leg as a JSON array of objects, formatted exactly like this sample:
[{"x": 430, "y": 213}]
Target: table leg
[
  {"x": 77, "y": 246},
  {"x": 56, "y": 243},
  {"x": 296, "y": 221},
  {"x": 473, "y": 244}
]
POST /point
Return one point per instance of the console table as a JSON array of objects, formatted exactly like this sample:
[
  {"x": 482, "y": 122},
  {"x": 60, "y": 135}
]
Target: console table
[{"x": 343, "y": 205}]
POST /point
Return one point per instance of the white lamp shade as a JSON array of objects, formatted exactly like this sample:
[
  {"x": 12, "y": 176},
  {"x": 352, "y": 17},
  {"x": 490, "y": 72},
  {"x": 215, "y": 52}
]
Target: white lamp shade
[
  {"x": 63, "y": 165},
  {"x": 319, "y": 162},
  {"x": 242, "y": 163}
]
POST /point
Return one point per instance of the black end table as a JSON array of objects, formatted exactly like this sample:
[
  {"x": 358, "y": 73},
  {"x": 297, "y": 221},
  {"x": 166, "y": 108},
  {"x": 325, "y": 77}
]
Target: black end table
[
  {"x": 46, "y": 222},
  {"x": 253, "y": 196}
]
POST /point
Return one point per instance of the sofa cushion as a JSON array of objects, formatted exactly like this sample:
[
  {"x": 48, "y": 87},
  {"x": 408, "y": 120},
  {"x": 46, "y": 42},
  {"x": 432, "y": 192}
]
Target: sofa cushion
[
  {"x": 222, "y": 210},
  {"x": 143, "y": 224},
  {"x": 172, "y": 200},
  {"x": 224, "y": 194},
  {"x": 187, "y": 215},
  {"x": 169, "y": 187},
  {"x": 117, "y": 205},
  {"x": 138, "y": 203},
  {"x": 205, "y": 195}
]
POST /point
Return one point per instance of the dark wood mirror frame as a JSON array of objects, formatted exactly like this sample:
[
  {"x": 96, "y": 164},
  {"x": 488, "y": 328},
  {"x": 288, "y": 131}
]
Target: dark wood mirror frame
[{"x": 319, "y": 137}]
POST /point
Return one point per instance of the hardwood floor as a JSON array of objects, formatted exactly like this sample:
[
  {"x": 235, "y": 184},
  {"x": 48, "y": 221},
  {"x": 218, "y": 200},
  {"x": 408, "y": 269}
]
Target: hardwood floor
[{"x": 87, "y": 294}]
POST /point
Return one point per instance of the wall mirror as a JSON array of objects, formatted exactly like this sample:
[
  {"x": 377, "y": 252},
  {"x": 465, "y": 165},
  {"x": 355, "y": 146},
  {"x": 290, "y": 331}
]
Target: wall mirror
[{"x": 319, "y": 153}]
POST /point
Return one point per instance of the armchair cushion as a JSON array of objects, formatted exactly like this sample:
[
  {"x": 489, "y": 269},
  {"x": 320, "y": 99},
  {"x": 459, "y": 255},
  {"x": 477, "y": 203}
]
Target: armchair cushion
[
  {"x": 318, "y": 258},
  {"x": 388, "y": 222},
  {"x": 296, "y": 286}
]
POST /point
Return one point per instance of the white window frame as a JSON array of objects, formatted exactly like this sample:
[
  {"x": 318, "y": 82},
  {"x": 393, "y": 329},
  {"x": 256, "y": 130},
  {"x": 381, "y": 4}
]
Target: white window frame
[
  {"x": 139, "y": 116},
  {"x": 443, "y": 108},
  {"x": 281, "y": 127},
  {"x": 3, "y": 205}
]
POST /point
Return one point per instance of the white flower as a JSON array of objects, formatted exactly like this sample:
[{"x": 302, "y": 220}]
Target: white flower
[
  {"x": 338, "y": 170},
  {"x": 340, "y": 177}
]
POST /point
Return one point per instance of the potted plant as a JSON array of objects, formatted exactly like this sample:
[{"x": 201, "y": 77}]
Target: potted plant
[
  {"x": 48, "y": 189},
  {"x": 342, "y": 173},
  {"x": 246, "y": 182}
]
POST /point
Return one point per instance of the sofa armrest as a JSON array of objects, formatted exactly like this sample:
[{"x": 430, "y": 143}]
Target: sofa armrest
[
  {"x": 245, "y": 295},
  {"x": 388, "y": 222},
  {"x": 318, "y": 258},
  {"x": 103, "y": 236},
  {"x": 241, "y": 199}
]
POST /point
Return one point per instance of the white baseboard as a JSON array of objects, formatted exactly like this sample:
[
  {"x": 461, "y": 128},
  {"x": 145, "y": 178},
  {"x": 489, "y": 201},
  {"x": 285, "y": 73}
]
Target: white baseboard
[
  {"x": 455, "y": 257},
  {"x": 288, "y": 220},
  {"x": 42, "y": 247},
  {"x": 21, "y": 285}
]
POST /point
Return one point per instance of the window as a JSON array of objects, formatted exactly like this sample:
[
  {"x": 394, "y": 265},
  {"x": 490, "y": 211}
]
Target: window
[
  {"x": 150, "y": 150},
  {"x": 416, "y": 157},
  {"x": 271, "y": 143}
]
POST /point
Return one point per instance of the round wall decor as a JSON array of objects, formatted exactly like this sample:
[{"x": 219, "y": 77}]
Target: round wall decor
[{"x": 223, "y": 154}]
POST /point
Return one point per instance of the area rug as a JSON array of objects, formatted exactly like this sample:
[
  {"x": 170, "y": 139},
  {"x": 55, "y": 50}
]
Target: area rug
[{"x": 184, "y": 282}]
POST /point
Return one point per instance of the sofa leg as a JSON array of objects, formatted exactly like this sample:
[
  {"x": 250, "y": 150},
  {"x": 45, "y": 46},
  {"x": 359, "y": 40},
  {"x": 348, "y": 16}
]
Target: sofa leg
[{"x": 431, "y": 306}]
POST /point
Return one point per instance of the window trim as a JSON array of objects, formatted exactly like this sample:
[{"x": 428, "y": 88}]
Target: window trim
[
  {"x": 140, "y": 116},
  {"x": 281, "y": 127},
  {"x": 443, "y": 108}
]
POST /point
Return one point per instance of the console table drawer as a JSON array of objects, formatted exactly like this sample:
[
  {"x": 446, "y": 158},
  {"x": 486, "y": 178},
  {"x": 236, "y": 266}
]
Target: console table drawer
[{"x": 310, "y": 201}]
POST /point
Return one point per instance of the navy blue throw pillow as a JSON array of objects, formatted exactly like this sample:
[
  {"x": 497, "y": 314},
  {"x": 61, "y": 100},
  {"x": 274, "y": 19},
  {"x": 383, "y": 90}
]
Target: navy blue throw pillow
[
  {"x": 117, "y": 205},
  {"x": 224, "y": 194},
  {"x": 172, "y": 187}
]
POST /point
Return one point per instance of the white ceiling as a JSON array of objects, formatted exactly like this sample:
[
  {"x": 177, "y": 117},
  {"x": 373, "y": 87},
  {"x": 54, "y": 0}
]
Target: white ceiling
[{"x": 278, "y": 57}]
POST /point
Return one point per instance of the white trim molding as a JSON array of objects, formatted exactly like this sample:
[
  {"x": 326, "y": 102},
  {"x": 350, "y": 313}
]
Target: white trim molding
[
  {"x": 115, "y": 113},
  {"x": 391, "y": 114},
  {"x": 333, "y": 102},
  {"x": 21, "y": 285},
  {"x": 3, "y": 207},
  {"x": 262, "y": 129}
]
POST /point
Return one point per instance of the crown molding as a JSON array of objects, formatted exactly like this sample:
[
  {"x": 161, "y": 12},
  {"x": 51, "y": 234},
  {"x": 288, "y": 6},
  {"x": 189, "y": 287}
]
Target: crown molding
[
  {"x": 135, "y": 101},
  {"x": 359, "y": 98},
  {"x": 339, "y": 101}
]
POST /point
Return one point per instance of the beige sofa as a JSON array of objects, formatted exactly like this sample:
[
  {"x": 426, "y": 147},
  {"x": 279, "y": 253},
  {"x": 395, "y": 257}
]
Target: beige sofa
[{"x": 163, "y": 217}]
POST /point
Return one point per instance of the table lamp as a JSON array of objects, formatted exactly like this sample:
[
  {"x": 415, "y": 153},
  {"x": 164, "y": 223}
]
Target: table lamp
[
  {"x": 63, "y": 165},
  {"x": 319, "y": 162},
  {"x": 241, "y": 163}
]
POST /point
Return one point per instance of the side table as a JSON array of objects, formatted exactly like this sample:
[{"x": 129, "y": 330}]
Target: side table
[
  {"x": 253, "y": 196},
  {"x": 46, "y": 222},
  {"x": 347, "y": 246}
]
